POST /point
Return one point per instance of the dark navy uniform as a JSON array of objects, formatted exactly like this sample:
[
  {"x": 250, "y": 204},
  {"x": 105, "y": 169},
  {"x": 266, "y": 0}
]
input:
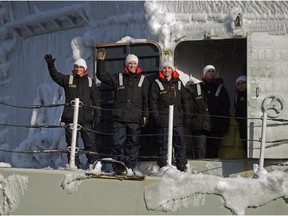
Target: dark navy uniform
[
  {"x": 162, "y": 94},
  {"x": 241, "y": 116},
  {"x": 218, "y": 106},
  {"x": 130, "y": 106},
  {"x": 85, "y": 89},
  {"x": 200, "y": 118}
]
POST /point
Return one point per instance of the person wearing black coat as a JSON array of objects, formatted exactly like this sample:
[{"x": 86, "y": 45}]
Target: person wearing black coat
[
  {"x": 218, "y": 106},
  {"x": 130, "y": 111},
  {"x": 200, "y": 118},
  {"x": 78, "y": 85},
  {"x": 240, "y": 104},
  {"x": 169, "y": 90}
]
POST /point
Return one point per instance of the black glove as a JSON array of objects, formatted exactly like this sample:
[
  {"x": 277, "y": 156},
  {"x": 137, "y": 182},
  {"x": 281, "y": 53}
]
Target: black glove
[
  {"x": 49, "y": 59},
  {"x": 144, "y": 121}
]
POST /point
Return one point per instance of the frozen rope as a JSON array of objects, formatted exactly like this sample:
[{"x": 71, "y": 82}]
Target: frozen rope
[
  {"x": 79, "y": 151},
  {"x": 151, "y": 135},
  {"x": 111, "y": 134},
  {"x": 33, "y": 106},
  {"x": 278, "y": 120},
  {"x": 34, "y": 126},
  {"x": 36, "y": 151},
  {"x": 188, "y": 114}
]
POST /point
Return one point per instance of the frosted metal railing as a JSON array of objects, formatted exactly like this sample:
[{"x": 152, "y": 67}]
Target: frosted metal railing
[
  {"x": 263, "y": 140},
  {"x": 170, "y": 134},
  {"x": 74, "y": 135},
  {"x": 75, "y": 129}
]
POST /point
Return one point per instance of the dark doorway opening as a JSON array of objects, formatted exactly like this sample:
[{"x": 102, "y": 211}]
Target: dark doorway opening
[{"x": 229, "y": 57}]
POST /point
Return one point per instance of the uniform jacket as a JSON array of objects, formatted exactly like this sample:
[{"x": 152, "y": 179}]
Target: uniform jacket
[
  {"x": 240, "y": 104},
  {"x": 174, "y": 93},
  {"x": 218, "y": 105},
  {"x": 80, "y": 88},
  {"x": 130, "y": 99},
  {"x": 200, "y": 119}
]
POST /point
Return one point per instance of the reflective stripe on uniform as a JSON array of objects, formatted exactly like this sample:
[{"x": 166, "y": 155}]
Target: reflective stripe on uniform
[
  {"x": 121, "y": 83},
  {"x": 159, "y": 84},
  {"x": 179, "y": 85},
  {"x": 90, "y": 81},
  {"x": 71, "y": 78},
  {"x": 199, "y": 92},
  {"x": 121, "y": 79},
  {"x": 162, "y": 87},
  {"x": 218, "y": 90},
  {"x": 141, "y": 81}
]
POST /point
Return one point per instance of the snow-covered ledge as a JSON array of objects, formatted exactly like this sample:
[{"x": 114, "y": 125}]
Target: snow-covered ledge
[
  {"x": 178, "y": 189},
  {"x": 47, "y": 21},
  {"x": 11, "y": 190}
]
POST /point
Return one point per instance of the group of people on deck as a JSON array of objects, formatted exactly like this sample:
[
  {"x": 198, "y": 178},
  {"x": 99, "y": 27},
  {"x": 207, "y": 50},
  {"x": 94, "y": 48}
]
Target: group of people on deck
[{"x": 203, "y": 107}]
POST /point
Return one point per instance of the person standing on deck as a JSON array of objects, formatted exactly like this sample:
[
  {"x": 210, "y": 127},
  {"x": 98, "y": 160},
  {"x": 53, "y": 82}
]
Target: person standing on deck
[
  {"x": 218, "y": 106},
  {"x": 78, "y": 85},
  {"x": 167, "y": 90},
  {"x": 240, "y": 104},
  {"x": 130, "y": 107},
  {"x": 200, "y": 119}
]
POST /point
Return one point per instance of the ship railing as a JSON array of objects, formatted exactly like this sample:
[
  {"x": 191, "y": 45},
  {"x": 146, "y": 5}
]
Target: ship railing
[{"x": 76, "y": 127}]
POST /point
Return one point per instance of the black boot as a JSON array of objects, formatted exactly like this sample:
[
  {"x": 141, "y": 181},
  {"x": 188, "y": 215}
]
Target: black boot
[{"x": 182, "y": 168}]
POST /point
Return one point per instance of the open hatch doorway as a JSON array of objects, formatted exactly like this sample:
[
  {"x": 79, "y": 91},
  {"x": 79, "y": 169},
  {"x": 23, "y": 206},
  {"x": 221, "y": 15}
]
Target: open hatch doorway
[{"x": 229, "y": 56}]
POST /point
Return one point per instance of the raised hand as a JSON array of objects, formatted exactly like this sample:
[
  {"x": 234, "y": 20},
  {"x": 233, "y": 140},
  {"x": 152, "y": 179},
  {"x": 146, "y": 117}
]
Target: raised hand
[
  {"x": 49, "y": 59},
  {"x": 101, "y": 53}
]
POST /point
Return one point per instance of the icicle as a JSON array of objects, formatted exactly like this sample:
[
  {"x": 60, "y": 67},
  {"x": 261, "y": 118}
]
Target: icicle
[
  {"x": 72, "y": 181},
  {"x": 11, "y": 190}
]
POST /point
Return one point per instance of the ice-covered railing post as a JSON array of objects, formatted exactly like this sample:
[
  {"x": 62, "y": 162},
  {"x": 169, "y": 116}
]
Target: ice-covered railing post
[
  {"x": 263, "y": 140},
  {"x": 170, "y": 134},
  {"x": 259, "y": 169},
  {"x": 74, "y": 134}
]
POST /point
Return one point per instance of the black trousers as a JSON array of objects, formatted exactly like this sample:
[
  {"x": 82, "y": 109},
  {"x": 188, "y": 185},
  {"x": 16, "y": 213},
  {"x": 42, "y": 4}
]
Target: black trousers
[
  {"x": 178, "y": 144},
  {"x": 199, "y": 143},
  {"x": 243, "y": 133},
  {"x": 125, "y": 145},
  {"x": 213, "y": 144},
  {"x": 89, "y": 141}
]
